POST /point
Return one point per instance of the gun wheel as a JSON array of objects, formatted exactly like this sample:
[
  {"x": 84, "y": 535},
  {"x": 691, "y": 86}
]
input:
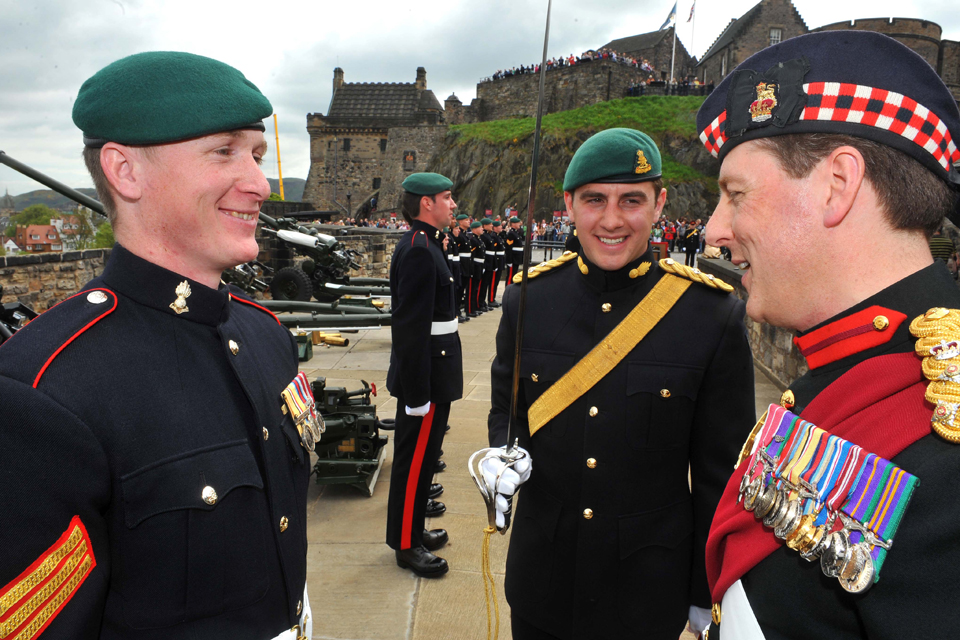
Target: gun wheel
[{"x": 291, "y": 283}]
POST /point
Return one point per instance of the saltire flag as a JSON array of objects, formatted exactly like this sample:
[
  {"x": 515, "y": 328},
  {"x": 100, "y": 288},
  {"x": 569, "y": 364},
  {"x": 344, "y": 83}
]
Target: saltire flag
[
  {"x": 692, "y": 7},
  {"x": 670, "y": 18}
]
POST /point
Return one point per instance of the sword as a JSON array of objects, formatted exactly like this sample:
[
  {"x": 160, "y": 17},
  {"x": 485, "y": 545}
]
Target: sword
[{"x": 513, "y": 454}]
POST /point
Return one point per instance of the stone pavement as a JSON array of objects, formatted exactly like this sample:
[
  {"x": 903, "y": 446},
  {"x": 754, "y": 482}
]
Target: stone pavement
[{"x": 356, "y": 589}]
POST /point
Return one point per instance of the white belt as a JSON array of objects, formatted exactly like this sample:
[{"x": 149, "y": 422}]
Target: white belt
[
  {"x": 464, "y": 254},
  {"x": 305, "y": 628},
  {"x": 518, "y": 248},
  {"x": 443, "y": 328},
  {"x": 480, "y": 260},
  {"x": 501, "y": 253},
  {"x": 739, "y": 622},
  {"x": 454, "y": 258}
]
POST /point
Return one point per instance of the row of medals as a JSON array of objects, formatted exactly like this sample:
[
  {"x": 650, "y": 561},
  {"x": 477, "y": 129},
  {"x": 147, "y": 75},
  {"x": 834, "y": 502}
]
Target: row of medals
[
  {"x": 851, "y": 563},
  {"x": 311, "y": 427}
]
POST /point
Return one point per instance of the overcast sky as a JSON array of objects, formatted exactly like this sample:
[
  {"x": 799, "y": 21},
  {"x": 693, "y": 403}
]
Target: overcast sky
[{"x": 289, "y": 48}]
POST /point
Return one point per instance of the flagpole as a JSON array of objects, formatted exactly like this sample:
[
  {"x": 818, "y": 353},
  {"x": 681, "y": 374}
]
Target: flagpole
[
  {"x": 673, "y": 55},
  {"x": 693, "y": 26}
]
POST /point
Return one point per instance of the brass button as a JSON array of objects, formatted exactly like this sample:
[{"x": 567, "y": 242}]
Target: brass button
[
  {"x": 96, "y": 297},
  {"x": 593, "y": 412},
  {"x": 209, "y": 495},
  {"x": 234, "y": 347},
  {"x": 587, "y": 514},
  {"x": 715, "y": 613},
  {"x": 451, "y": 279},
  {"x": 787, "y": 400},
  {"x": 591, "y": 463},
  {"x": 443, "y": 353},
  {"x": 534, "y": 377},
  {"x": 880, "y": 323},
  {"x": 284, "y": 523},
  {"x": 664, "y": 393},
  {"x": 299, "y": 607},
  {"x": 605, "y": 307},
  {"x": 266, "y": 434}
]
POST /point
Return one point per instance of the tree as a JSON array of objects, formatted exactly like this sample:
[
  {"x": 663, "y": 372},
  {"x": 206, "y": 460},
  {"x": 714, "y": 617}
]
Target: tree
[
  {"x": 104, "y": 238},
  {"x": 86, "y": 230},
  {"x": 34, "y": 214},
  {"x": 275, "y": 197}
]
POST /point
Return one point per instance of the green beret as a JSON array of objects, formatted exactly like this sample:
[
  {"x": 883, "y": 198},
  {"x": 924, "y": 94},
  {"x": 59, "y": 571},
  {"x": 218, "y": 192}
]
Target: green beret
[
  {"x": 474, "y": 224},
  {"x": 427, "y": 184},
  {"x": 462, "y": 216},
  {"x": 166, "y": 96},
  {"x": 497, "y": 223},
  {"x": 486, "y": 221},
  {"x": 514, "y": 219},
  {"x": 614, "y": 155}
]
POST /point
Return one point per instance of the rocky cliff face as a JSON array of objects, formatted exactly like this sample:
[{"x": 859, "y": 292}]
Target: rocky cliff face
[{"x": 495, "y": 176}]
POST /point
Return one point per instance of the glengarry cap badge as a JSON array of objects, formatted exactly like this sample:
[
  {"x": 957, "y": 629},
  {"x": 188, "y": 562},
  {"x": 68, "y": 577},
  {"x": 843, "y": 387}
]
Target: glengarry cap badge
[
  {"x": 183, "y": 292},
  {"x": 761, "y": 108}
]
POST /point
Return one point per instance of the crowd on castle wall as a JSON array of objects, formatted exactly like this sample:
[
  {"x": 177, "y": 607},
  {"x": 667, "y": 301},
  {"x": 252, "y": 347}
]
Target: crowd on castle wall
[{"x": 571, "y": 60}]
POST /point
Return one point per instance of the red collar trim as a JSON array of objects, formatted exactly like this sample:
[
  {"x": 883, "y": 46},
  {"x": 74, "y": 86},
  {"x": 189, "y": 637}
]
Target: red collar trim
[{"x": 855, "y": 333}]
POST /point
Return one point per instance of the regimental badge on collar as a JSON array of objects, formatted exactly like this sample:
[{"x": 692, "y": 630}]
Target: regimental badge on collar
[
  {"x": 298, "y": 397},
  {"x": 762, "y": 107},
  {"x": 183, "y": 292},
  {"x": 642, "y": 165}
]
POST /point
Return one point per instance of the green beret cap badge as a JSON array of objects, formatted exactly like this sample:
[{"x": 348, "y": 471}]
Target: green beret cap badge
[
  {"x": 427, "y": 184},
  {"x": 614, "y": 156},
  {"x": 166, "y": 96}
]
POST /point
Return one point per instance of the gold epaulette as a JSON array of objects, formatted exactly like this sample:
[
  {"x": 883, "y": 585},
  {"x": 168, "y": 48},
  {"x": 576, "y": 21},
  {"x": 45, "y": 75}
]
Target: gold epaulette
[
  {"x": 543, "y": 267},
  {"x": 671, "y": 266},
  {"x": 938, "y": 343}
]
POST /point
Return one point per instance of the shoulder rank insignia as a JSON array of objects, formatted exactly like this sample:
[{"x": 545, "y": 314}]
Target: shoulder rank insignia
[
  {"x": 549, "y": 265},
  {"x": 938, "y": 343},
  {"x": 34, "y": 598},
  {"x": 183, "y": 292},
  {"x": 671, "y": 266}
]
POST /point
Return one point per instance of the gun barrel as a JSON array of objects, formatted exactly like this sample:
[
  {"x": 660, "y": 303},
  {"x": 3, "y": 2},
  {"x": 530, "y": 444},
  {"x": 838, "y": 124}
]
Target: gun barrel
[{"x": 47, "y": 181}]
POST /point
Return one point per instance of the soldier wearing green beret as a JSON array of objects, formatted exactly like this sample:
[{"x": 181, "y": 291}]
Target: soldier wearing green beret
[
  {"x": 466, "y": 266},
  {"x": 426, "y": 370},
  {"x": 500, "y": 261},
  {"x": 478, "y": 252},
  {"x": 631, "y": 373},
  {"x": 513, "y": 238},
  {"x": 489, "y": 263},
  {"x": 159, "y": 490}
]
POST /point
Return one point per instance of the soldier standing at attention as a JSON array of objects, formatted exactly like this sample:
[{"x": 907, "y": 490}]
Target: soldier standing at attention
[
  {"x": 479, "y": 257},
  {"x": 501, "y": 261},
  {"x": 489, "y": 263},
  {"x": 842, "y": 144},
  {"x": 466, "y": 266},
  {"x": 514, "y": 240},
  {"x": 426, "y": 369},
  {"x": 154, "y": 477},
  {"x": 615, "y": 405}
]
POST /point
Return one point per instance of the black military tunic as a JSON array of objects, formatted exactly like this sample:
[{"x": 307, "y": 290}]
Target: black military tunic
[
  {"x": 478, "y": 251},
  {"x": 514, "y": 242},
  {"x": 489, "y": 266},
  {"x": 154, "y": 444},
  {"x": 608, "y": 541},
  {"x": 916, "y": 594},
  {"x": 425, "y": 366}
]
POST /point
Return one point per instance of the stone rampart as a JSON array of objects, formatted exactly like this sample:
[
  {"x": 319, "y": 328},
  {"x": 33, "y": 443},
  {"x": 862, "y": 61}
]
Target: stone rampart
[
  {"x": 41, "y": 281},
  {"x": 773, "y": 350},
  {"x": 409, "y": 150}
]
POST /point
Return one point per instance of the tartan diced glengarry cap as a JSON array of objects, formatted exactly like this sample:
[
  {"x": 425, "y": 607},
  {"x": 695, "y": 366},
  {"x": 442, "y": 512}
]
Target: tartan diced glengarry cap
[{"x": 858, "y": 83}]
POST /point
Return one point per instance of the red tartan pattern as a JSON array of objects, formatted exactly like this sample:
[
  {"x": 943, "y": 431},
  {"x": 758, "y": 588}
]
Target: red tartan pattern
[{"x": 888, "y": 110}]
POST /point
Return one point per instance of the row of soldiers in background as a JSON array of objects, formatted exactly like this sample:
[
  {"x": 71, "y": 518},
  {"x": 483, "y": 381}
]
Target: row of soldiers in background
[{"x": 480, "y": 253}]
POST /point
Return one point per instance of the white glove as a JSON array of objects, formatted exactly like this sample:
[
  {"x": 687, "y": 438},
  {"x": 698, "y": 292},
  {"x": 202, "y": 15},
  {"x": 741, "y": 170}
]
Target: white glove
[
  {"x": 510, "y": 479},
  {"x": 699, "y": 620},
  {"x": 417, "y": 411}
]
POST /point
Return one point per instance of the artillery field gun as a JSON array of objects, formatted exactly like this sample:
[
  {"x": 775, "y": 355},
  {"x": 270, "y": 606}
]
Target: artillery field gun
[
  {"x": 13, "y": 317},
  {"x": 351, "y": 449}
]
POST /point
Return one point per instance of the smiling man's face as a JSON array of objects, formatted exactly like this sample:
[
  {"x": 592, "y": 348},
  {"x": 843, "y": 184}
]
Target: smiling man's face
[{"x": 614, "y": 220}]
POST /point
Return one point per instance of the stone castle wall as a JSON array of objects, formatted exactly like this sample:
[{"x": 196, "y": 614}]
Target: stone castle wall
[
  {"x": 357, "y": 168},
  {"x": 950, "y": 66},
  {"x": 565, "y": 88},
  {"x": 423, "y": 142},
  {"x": 41, "y": 281}
]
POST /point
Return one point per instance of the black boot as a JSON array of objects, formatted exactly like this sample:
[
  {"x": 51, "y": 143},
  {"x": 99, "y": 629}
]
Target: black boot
[
  {"x": 435, "y": 490},
  {"x": 422, "y": 562},
  {"x": 441, "y": 466},
  {"x": 434, "y": 508},
  {"x": 435, "y": 539}
]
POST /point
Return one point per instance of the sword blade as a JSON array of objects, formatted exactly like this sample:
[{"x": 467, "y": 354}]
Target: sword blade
[{"x": 527, "y": 249}]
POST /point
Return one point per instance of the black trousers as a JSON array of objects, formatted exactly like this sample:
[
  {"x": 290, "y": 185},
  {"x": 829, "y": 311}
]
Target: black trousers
[
  {"x": 494, "y": 284},
  {"x": 523, "y": 630},
  {"x": 463, "y": 295},
  {"x": 692, "y": 257},
  {"x": 416, "y": 449},
  {"x": 485, "y": 287}
]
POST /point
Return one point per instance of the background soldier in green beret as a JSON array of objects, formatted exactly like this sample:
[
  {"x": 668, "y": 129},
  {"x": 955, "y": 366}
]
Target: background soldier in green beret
[
  {"x": 478, "y": 251},
  {"x": 608, "y": 538},
  {"x": 466, "y": 266},
  {"x": 426, "y": 369},
  {"x": 514, "y": 241},
  {"x": 501, "y": 261},
  {"x": 153, "y": 485},
  {"x": 489, "y": 264}
]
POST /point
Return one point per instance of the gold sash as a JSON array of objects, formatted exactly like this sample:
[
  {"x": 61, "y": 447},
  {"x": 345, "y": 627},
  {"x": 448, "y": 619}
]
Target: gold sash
[{"x": 612, "y": 349}]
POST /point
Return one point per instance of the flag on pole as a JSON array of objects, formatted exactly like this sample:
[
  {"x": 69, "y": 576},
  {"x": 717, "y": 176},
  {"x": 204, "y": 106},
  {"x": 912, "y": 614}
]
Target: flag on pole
[
  {"x": 692, "y": 7},
  {"x": 670, "y": 18}
]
